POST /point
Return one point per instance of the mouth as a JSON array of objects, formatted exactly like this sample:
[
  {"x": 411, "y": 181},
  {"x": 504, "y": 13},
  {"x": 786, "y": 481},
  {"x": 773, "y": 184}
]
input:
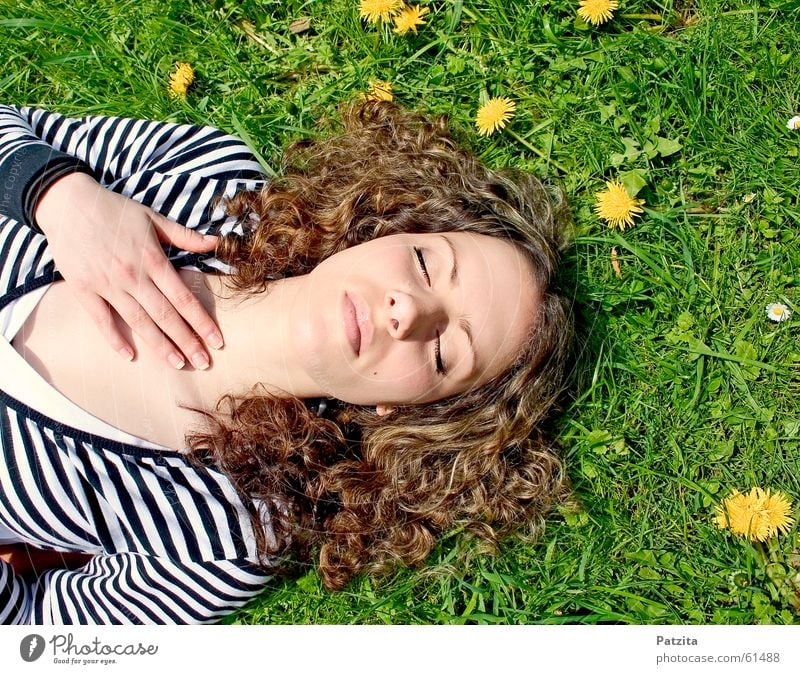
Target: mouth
[{"x": 351, "y": 327}]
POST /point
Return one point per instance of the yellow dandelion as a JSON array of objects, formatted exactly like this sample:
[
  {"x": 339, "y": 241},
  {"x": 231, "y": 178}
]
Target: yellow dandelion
[
  {"x": 735, "y": 512},
  {"x": 616, "y": 206},
  {"x": 181, "y": 79},
  {"x": 597, "y": 11},
  {"x": 409, "y": 19},
  {"x": 379, "y": 91},
  {"x": 777, "y": 510},
  {"x": 379, "y": 10},
  {"x": 758, "y": 515},
  {"x": 494, "y": 114}
]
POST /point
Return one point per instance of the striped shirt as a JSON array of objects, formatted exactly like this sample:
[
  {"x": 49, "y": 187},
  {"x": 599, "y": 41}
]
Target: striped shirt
[{"x": 172, "y": 542}]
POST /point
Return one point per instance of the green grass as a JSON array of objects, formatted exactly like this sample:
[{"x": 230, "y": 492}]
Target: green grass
[{"x": 683, "y": 389}]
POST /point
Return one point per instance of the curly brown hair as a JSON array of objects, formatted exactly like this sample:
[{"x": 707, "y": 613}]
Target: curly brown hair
[{"x": 369, "y": 492}]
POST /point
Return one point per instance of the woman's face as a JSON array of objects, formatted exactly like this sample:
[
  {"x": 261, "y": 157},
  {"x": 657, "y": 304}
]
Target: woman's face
[{"x": 413, "y": 318}]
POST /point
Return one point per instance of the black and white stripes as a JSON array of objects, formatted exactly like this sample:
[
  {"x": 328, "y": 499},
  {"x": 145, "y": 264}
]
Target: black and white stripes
[{"x": 172, "y": 542}]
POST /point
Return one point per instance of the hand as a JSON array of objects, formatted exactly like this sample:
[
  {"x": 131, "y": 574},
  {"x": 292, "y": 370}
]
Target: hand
[{"x": 106, "y": 247}]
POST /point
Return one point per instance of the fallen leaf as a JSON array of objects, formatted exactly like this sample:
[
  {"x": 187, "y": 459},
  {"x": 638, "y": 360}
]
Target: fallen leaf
[
  {"x": 300, "y": 26},
  {"x": 615, "y": 262}
]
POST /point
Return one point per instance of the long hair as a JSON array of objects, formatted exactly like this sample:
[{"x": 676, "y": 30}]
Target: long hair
[{"x": 365, "y": 492}]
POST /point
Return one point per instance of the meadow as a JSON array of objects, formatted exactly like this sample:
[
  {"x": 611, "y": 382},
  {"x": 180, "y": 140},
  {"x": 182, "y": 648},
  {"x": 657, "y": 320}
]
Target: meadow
[{"x": 683, "y": 389}]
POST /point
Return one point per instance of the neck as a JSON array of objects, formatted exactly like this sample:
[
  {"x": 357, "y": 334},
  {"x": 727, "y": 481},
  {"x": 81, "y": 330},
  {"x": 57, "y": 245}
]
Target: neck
[{"x": 259, "y": 345}]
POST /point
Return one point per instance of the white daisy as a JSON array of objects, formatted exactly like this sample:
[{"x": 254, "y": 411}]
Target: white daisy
[
  {"x": 778, "y": 312},
  {"x": 794, "y": 123}
]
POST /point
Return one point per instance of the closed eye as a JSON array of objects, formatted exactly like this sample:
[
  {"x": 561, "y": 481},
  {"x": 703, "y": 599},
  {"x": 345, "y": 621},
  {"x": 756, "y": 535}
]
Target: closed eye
[
  {"x": 440, "y": 368},
  {"x": 422, "y": 266}
]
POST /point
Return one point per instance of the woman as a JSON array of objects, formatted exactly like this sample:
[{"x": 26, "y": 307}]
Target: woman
[{"x": 391, "y": 344}]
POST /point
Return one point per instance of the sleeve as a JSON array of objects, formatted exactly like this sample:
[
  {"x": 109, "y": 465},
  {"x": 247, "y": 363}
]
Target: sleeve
[
  {"x": 37, "y": 147},
  {"x": 129, "y": 588}
]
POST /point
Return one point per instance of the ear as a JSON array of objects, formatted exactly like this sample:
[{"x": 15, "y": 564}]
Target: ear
[{"x": 383, "y": 410}]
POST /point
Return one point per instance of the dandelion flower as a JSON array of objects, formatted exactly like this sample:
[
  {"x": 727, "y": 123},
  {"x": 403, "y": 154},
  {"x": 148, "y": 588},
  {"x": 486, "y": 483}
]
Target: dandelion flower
[
  {"x": 494, "y": 114},
  {"x": 616, "y": 206},
  {"x": 778, "y": 312},
  {"x": 733, "y": 511},
  {"x": 379, "y": 91},
  {"x": 181, "y": 79},
  {"x": 758, "y": 515},
  {"x": 794, "y": 123},
  {"x": 409, "y": 19},
  {"x": 597, "y": 11},
  {"x": 379, "y": 10},
  {"x": 777, "y": 510}
]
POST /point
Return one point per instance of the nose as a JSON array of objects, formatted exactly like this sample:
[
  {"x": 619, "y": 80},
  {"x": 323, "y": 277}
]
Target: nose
[{"x": 412, "y": 317}]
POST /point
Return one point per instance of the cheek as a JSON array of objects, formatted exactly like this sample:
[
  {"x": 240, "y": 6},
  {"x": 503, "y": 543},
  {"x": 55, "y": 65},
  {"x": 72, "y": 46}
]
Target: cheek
[{"x": 403, "y": 378}]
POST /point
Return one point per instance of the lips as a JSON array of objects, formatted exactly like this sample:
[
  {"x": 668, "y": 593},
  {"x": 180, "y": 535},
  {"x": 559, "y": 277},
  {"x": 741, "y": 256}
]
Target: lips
[
  {"x": 357, "y": 324},
  {"x": 351, "y": 328}
]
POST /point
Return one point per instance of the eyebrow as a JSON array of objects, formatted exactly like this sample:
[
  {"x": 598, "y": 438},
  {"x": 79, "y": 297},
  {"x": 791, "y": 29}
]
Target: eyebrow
[{"x": 462, "y": 320}]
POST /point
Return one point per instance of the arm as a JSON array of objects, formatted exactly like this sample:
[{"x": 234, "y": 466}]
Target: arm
[
  {"x": 106, "y": 248},
  {"x": 38, "y": 147},
  {"x": 129, "y": 588},
  {"x": 28, "y": 165}
]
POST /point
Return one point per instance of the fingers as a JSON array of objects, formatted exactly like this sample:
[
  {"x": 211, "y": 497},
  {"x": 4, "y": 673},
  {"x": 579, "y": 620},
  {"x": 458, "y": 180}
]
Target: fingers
[
  {"x": 100, "y": 313},
  {"x": 176, "y": 234},
  {"x": 188, "y": 312},
  {"x": 183, "y": 317},
  {"x": 164, "y": 304},
  {"x": 154, "y": 301},
  {"x": 154, "y": 328}
]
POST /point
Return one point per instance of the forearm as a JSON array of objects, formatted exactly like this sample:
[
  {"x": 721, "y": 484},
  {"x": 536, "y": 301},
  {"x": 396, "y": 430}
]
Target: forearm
[
  {"x": 34, "y": 154},
  {"x": 38, "y": 148},
  {"x": 27, "y": 174}
]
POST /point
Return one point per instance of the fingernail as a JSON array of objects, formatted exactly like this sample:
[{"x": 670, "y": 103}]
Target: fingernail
[
  {"x": 200, "y": 361},
  {"x": 214, "y": 340},
  {"x": 176, "y": 361},
  {"x": 126, "y": 353},
  {"x": 209, "y": 237}
]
